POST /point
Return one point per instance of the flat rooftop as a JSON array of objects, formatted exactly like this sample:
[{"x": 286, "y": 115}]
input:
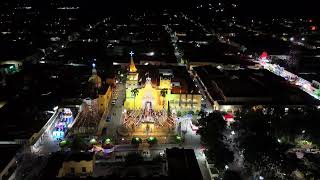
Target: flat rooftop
[
  {"x": 182, "y": 164},
  {"x": 7, "y": 152},
  {"x": 250, "y": 86}
]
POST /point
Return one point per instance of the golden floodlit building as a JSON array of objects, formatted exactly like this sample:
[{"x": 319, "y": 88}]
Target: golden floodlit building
[{"x": 158, "y": 87}]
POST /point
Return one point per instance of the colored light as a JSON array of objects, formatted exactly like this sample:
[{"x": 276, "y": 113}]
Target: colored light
[
  {"x": 93, "y": 141},
  {"x": 264, "y": 55},
  {"x": 108, "y": 140}
]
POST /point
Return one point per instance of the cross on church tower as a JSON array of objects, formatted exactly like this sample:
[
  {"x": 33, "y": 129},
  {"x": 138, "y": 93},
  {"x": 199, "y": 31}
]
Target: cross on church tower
[
  {"x": 132, "y": 67},
  {"x": 131, "y": 53}
]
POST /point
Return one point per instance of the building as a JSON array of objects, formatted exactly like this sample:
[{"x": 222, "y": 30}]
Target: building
[
  {"x": 183, "y": 164},
  {"x": 91, "y": 119},
  {"x": 77, "y": 164},
  {"x": 229, "y": 90},
  {"x": 159, "y": 87},
  {"x": 101, "y": 91}
]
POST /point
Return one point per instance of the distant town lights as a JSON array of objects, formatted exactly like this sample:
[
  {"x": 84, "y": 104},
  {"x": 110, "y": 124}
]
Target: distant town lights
[
  {"x": 302, "y": 39},
  {"x": 292, "y": 39},
  {"x": 93, "y": 65}
]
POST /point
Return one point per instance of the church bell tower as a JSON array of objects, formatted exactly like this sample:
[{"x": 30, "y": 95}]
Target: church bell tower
[{"x": 132, "y": 78}]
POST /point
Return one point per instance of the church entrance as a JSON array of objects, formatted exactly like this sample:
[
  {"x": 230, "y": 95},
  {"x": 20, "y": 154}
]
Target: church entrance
[{"x": 147, "y": 112}]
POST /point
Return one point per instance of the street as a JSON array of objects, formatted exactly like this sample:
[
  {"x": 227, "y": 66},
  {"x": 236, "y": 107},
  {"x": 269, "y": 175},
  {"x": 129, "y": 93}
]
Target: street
[{"x": 116, "y": 111}]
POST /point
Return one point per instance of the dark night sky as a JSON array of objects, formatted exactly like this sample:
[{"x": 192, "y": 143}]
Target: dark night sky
[
  {"x": 280, "y": 7},
  {"x": 247, "y": 7},
  {"x": 253, "y": 7}
]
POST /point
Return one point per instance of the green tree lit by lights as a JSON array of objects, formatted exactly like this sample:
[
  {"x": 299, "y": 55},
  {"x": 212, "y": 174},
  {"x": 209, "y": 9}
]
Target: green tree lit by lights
[
  {"x": 164, "y": 93},
  {"x": 136, "y": 141},
  {"x": 317, "y": 92},
  {"x": 135, "y": 93},
  {"x": 152, "y": 140}
]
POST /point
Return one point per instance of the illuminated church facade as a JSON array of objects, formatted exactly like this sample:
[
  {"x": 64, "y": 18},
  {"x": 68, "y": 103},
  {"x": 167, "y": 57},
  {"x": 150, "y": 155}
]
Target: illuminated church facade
[{"x": 158, "y": 88}]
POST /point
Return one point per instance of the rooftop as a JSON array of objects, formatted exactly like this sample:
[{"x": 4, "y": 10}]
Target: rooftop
[
  {"x": 179, "y": 74},
  {"x": 250, "y": 86},
  {"x": 182, "y": 164},
  {"x": 7, "y": 152},
  {"x": 79, "y": 156}
]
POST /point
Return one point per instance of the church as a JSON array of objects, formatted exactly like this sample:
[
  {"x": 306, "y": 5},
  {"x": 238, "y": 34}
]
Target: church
[{"x": 159, "y": 88}]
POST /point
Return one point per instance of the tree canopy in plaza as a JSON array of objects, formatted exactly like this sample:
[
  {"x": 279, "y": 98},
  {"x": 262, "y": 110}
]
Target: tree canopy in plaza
[
  {"x": 267, "y": 134},
  {"x": 263, "y": 138},
  {"x": 136, "y": 141},
  {"x": 78, "y": 144},
  {"x": 152, "y": 140},
  {"x": 211, "y": 131},
  {"x": 135, "y": 93},
  {"x": 318, "y": 92},
  {"x": 163, "y": 93}
]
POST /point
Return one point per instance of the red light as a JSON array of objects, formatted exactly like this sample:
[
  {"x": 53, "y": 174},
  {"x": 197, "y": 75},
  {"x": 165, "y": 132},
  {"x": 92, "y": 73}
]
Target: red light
[
  {"x": 310, "y": 20},
  {"x": 264, "y": 55},
  {"x": 313, "y": 28}
]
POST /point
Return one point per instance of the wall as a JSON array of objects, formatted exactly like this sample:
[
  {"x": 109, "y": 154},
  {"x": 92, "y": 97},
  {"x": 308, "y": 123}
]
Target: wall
[
  {"x": 66, "y": 168},
  {"x": 183, "y": 102},
  {"x": 104, "y": 100}
]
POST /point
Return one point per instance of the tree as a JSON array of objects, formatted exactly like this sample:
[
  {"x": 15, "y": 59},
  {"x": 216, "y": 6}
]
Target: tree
[
  {"x": 178, "y": 139},
  {"x": 179, "y": 113},
  {"x": 317, "y": 92},
  {"x": 202, "y": 114},
  {"x": 211, "y": 131},
  {"x": 64, "y": 144},
  {"x": 163, "y": 93},
  {"x": 107, "y": 144},
  {"x": 263, "y": 152},
  {"x": 135, "y": 93},
  {"x": 78, "y": 144},
  {"x": 191, "y": 112},
  {"x": 136, "y": 141},
  {"x": 152, "y": 140}
]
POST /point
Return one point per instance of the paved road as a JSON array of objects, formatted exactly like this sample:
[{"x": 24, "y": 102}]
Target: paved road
[
  {"x": 204, "y": 96},
  {"x": 116, "y": 111},
  {"x": 46, "y": 143}
]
